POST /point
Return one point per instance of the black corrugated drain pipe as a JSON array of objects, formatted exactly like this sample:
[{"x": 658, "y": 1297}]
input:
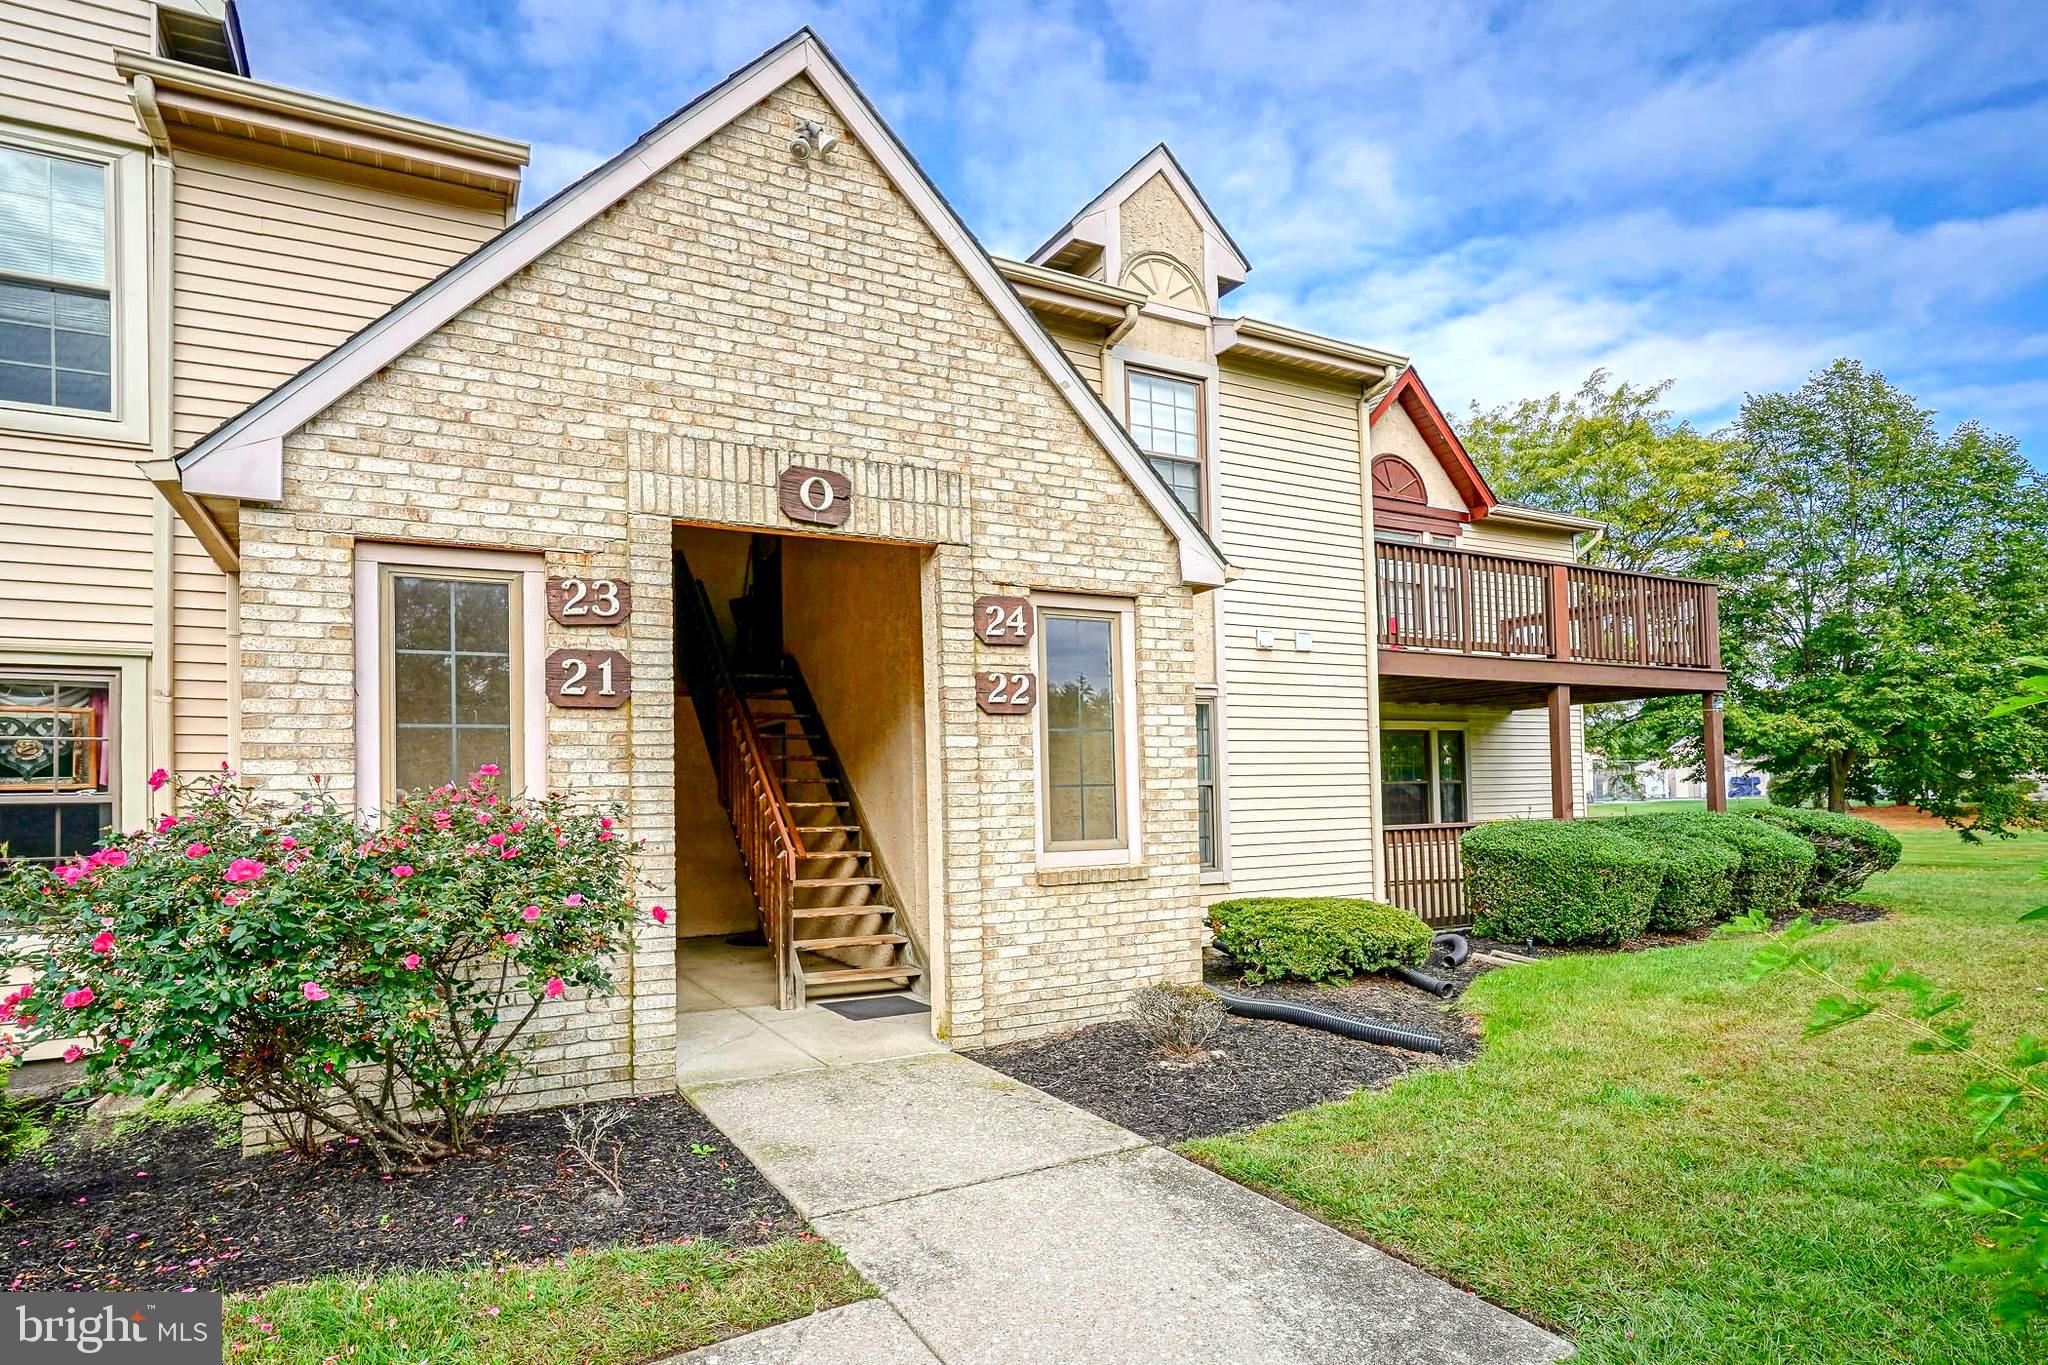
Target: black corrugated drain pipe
[
  {"x": 1435, "y": 985},
  {"x": 1455, "y": 947},
  {"x": 1365, "y": 1030}
]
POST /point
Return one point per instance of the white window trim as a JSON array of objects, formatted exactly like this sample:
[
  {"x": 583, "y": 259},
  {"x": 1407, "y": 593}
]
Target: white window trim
[
  {"x": 131, "y": 710},
  {"x": 1219, "y": 756},
  {"x": 1123, "y": 357},
  {"x": 1432, "y": 729},
  {"x": 372, "y": 558},
  {"x": 127, "y": 290},
  {"x": 1129, "y": 851}
]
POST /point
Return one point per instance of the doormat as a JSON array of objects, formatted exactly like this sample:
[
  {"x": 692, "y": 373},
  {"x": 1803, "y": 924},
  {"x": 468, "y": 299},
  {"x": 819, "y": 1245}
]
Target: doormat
[
  {"x": 876, "y": 1006},
  {"x": 753, "y": 938}
]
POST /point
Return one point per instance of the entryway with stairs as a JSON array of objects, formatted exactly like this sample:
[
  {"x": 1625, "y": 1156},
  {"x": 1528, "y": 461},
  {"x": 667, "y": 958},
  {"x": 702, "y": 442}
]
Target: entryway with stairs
[{"x": 785, "y": 643}]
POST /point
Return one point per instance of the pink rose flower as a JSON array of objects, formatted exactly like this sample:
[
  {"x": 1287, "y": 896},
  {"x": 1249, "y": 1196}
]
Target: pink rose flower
[
  {"x": 604, "y": 837},
  {"x": 74, "y": 1052},
  {"x": 496, "y": 841},
  {"x": 70, "y": 873},
  {"x": 167, "y": 823},
  {"x": 511, "y": 852},
  {"x": 243, "y": 870},
  {"x": 196, "y": 850},
  {"x": 78, "y": 999},
  {"x": 412, "y": 962},
  {"x": 573, "y": 898},
  {"x": 512, "y": 939},
  {"x": 487, "y": 770},
  {"x": 516, "y": 826},
  {"x": 157, "y": 780},
  {"x": 110, "y": 857},
  {"x": 530, "y": 913},
  {"x": 660, "y": 915},
  {"x": 554, "y": 988},
  {"x": 104, "y": 943},
  {"x": 287, "y": 843},
  {"x": 314, "y": 990},
  {"x": 604, "y": 822},
  {"x": 401, "y": 870}
]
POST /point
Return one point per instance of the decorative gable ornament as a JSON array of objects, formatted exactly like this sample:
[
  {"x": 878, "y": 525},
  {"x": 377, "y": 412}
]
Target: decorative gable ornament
[{"x": 1162, "y": 279}]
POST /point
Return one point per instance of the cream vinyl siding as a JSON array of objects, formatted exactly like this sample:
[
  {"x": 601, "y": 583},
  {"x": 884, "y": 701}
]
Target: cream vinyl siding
[
  {"x": 57, "y": 63},
  {"x": 1289, "y": 515},
  {"x": 272, "y": 268},
  {"x": 1086, "y": 354},
  {"x": 74, "y": 542},
  {"x": 1529, "y": 542}
]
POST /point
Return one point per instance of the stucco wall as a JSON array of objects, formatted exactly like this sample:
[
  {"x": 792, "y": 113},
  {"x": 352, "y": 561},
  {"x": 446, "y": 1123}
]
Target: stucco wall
[{"x": 737, "y": 313}]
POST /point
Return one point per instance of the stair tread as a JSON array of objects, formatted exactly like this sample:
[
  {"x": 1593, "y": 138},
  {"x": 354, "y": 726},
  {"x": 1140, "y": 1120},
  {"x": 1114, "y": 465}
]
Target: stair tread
[
  {"x": 852, "y": 941},
  {"x": 838, "y": 853},
  {"x": 813, "y": 805},
  {"x": 837, "y": 881},
  {"x": 834, "y": 911},
  {"x": 828, "y": 829},
  {"x": 863, "y": 974}
]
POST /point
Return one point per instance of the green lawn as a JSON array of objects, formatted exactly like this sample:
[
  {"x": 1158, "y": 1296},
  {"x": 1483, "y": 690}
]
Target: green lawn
[
  {"x": 1649, "y": 1156},
  {"x": 615, "y": 1307}
]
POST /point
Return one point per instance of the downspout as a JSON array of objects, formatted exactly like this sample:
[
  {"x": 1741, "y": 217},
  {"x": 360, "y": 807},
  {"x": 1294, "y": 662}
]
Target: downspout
[
  {"x": 162, "y": 527},
  {"x": 1120, "y": 331}
]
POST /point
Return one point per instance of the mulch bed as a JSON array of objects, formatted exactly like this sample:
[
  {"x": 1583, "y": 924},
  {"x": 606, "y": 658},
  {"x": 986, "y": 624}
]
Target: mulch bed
[
  {"x": 1256, "y": 1070},
  {"x": 166, "y": 1208}
]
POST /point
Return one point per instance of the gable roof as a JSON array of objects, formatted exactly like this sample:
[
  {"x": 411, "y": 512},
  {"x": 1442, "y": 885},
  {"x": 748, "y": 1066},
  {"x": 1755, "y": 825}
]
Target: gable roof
[
  {"x": 1227, "y": 260},
  {"x": 243, "y": 458},
  {"x": 1443, "y": 440}
]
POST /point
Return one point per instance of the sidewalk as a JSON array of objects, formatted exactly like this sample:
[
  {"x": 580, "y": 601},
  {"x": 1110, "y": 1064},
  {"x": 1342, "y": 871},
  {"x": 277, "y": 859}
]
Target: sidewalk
[{"x": 1005, "y": 1227}]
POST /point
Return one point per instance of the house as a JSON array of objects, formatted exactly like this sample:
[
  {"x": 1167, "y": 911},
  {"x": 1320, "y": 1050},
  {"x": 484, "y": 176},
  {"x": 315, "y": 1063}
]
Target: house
[
  {"x": 176, "y": 238},
  {"x": 945, "y": 624}
]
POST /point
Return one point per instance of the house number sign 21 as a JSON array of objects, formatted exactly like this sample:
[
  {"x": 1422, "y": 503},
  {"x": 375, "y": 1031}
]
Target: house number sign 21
[{"x": 599, "y": 678}]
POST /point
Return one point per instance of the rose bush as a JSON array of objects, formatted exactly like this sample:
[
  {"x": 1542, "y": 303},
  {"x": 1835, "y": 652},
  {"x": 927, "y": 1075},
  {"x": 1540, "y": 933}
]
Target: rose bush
[{"x": 380, "y": 982}]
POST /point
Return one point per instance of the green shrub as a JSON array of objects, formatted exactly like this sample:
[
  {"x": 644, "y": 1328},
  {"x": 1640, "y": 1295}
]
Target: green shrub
[
  {"x": 1699, "y": 876},
  {"x": 330, "y": 973},
  {"x": 1848, "y": 851},
  {"x": 1559, "y": 881},
  {"x": 1322, "y": 938},
  {"x": 1774, "y": 863}
]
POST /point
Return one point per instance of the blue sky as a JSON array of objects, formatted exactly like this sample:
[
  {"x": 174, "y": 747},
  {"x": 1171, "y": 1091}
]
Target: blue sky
[{"x": 1724, "y": 194}]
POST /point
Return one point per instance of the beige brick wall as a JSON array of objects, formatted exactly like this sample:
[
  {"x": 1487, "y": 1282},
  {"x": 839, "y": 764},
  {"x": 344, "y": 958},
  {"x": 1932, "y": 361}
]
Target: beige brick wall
[{"x": 767, "y": 312}]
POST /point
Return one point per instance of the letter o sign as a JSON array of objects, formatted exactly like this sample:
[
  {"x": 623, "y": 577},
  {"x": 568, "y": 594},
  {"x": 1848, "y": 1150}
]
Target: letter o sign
[{"x": 817, "y": 496}]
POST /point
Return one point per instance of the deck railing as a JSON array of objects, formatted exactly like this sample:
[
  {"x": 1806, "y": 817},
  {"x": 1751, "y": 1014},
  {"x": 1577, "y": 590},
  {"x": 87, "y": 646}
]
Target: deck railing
[
  {"x": 1426, "y": 872},
  {"x": 1470, "y": 602}
]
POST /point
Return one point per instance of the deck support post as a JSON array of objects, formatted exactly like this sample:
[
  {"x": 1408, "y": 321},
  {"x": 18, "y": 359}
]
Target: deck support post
[
  {"x": 1561, "y": 751},
  {"x": 1715, "y": 750}
]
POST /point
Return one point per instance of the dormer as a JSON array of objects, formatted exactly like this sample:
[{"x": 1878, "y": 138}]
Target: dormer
[
  {"x": 1423, "y": 481},
  {"x": 1151, "y": 233}
]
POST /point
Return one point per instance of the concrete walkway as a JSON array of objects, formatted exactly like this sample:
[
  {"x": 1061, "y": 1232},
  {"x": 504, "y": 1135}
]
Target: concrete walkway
[{"x": 1006, "y": 1227}]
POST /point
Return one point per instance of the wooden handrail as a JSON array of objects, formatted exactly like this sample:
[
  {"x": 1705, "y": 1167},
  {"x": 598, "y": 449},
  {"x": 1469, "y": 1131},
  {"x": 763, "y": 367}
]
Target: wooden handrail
[{"x": 1473, "y": 602}]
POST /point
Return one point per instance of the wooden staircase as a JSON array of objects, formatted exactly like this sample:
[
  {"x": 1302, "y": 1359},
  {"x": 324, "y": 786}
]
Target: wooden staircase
[
  {"x": 842, "y": 912},
  {"x": 820, "y": 891}
]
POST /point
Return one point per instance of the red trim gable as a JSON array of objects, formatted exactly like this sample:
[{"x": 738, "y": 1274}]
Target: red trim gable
[{"x": 1443, "y": 441}]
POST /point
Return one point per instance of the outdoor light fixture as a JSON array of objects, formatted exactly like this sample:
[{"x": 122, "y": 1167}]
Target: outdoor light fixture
[{"x": 811, "y": 140}]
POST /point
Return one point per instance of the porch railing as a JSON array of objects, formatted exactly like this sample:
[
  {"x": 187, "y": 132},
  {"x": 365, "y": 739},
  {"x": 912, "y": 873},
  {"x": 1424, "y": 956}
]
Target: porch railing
[
  {"x": 1426, "y": 872},
  {"x": 1471, "y": 602},
  {"x": 748, "y": 788}
]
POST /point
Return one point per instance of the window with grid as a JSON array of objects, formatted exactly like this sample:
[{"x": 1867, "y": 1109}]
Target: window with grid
[
  {"x": 1205, "y": 781},
  {"x": 1082, "y": 719},
  {"x": 56, "y": 763},
  {"x": 1423, "y": 778},
  {"x": 1166, "y": 424},
  {"x": 56, "y": 309},
  {"x": 452, "y": 686}
]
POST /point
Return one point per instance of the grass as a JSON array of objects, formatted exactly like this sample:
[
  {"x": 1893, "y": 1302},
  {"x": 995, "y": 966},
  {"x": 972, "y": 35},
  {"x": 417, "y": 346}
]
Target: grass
[
  {"x": 1649, "y": 1155},
  {"x": 613, "y": 1307}
]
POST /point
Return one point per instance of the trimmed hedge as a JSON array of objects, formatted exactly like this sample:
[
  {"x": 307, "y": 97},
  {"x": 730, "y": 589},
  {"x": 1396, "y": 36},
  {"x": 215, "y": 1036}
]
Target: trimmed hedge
[
  {"x": 1321, "y": 938},
  {"x": 1848, "y": 851},
  {"x": 1699, "y": 876},
  {"x": 1559, "y": 881},
  {"x": 1774, "y": 865}
]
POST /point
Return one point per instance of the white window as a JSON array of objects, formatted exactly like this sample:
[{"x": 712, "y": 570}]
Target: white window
[
  {"x": 1206, "y": 807},
  {"x": 1087, "y": 733},
  {"x": 1423, "y": 777},
  {"x": 1166, "y": 423},
  {"x": 73, "y": 269},
  {"x": 448, "y": 668},
  {"x": 59, "y": 764}
]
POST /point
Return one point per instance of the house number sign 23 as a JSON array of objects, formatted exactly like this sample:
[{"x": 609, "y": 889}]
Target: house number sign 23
[
  {"x": 588, "y": 677},
  {"x": 589, "y": 601}
]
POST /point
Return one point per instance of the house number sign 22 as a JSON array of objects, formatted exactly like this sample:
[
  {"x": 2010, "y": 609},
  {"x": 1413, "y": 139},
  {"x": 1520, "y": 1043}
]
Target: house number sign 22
[
  {"x": 1005, "y": 692},
  {"x": 589, "y": 601},
  {"x": 598, "y": 678}
]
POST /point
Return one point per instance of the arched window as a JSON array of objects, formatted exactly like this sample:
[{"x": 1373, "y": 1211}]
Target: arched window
[{"x": 1394, "y": 477}]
